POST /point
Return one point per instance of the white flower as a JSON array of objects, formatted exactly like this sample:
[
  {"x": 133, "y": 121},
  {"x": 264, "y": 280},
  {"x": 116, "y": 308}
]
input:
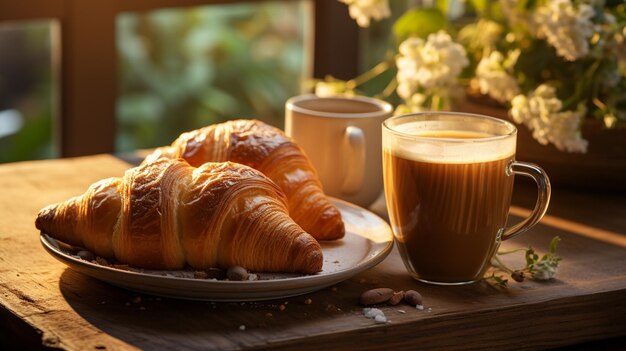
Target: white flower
[
  {"x": 431, "y": 64},
  {"x": 541, "y": 113},
  {"x": 442, "y": 60},
  {"x": 494, "y": 78},
  {"x": 545, "y": 269},
  {"x": 565, "y": 27},
  {"x": 364, "y": 10},
  {"x": 407, "y": 66},
  {"x": 330, "y": 88},
  {"x": 513, "y": 14},
  {"x": 479, "y": 35},
  {"x": 414, "y": 104}
]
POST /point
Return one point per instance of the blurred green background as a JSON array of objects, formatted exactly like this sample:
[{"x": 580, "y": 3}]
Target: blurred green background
[
  {"x": 26, "y": 90},
  {"x": 178, "y": 69}
]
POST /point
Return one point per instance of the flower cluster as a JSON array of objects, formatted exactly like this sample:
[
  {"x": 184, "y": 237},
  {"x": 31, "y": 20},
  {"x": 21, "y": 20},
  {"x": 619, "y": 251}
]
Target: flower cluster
[
  {"x": 537, "y": 268},
  {"x": 543, "y": 268},
  {"x": 494, "y": 76},
  {"x": 364, "y": 10},
  {"x": 541, "y": 112},
  {"x": 331, "y": 87},
  {"x": 427, "y": 66},
  {"x": 552, "y": 63},
  {"x": 565, "y": 27}
]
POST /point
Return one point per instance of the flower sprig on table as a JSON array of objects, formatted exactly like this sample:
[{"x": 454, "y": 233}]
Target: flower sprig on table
[
  {"x": 537, "y": 268},
  {"x": 552, "y": 63}
]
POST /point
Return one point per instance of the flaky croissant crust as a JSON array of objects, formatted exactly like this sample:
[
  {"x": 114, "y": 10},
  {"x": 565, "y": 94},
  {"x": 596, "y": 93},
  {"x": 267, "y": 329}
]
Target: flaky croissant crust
[
  {"x": 269, "y": 150},
  {"x": 168, "y": 215}
]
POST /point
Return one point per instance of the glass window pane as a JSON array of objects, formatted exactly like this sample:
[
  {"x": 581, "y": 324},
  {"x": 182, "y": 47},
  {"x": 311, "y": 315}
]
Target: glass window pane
[
  {"x": 26, "y": 91},
  {"x": 182, "y": 69}
]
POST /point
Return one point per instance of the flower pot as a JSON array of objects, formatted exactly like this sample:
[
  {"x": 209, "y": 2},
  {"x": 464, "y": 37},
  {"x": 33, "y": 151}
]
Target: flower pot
[{"x": 602, "y": 167}]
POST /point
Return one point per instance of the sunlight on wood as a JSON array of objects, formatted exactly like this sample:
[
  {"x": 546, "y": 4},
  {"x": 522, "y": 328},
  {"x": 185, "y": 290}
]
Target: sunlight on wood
[{"x": 575, "y": 228}]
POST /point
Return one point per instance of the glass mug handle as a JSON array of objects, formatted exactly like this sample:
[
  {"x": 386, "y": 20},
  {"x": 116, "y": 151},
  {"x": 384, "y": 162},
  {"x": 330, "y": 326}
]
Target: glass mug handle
[
  {"x": 354, "y": 140},
  {"x": 543, "y": 196}
]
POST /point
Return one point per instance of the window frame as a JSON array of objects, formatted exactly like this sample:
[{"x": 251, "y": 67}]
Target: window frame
[{"x": 85, "y": 63}]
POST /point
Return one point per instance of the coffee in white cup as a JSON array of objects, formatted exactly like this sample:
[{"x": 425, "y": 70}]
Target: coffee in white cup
[{"x": 342, "y": 137}]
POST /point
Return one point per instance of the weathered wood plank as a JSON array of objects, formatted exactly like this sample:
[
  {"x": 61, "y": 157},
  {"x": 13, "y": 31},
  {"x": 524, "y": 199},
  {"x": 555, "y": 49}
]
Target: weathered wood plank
[{"x": 74, "y": 311}]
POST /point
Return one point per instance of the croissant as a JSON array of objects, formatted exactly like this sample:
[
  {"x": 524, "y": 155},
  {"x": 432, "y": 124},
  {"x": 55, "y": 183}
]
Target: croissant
[
  {"x": 169, "y": 215},
  {"x": 270, "y": 151}
]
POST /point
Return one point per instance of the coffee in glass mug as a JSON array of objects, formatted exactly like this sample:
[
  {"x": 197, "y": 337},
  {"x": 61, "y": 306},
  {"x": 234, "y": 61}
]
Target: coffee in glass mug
[{"x": 448, "y": 183}]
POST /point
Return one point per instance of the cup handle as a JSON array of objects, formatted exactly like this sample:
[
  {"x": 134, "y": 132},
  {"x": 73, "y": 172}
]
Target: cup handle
[
  {"x": 354, "y": 142},
  {"x": 543, "y": 196}
]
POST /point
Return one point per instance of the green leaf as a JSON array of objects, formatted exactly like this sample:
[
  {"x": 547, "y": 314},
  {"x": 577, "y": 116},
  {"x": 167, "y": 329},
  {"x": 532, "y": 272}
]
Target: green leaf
[
  {"x": 529, "y": 256},
  {"x": 554, "y": 243},
  {"x": 500, "y": 281},
  {"x": 488, "y": 10},
  {"x": 525, "y": 4},
  {"x": 442, "y": 5},
  {"x": 419, "y": 23},
  {"x": 480, "y": 6}
]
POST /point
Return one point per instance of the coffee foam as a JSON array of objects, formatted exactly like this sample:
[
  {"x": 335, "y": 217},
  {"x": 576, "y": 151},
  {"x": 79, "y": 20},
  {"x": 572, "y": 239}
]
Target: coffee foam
[{"x": 440, "y": 150}]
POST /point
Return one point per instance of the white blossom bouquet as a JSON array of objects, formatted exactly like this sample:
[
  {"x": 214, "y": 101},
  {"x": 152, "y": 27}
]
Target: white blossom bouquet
[{"x": 552, "y": 63}]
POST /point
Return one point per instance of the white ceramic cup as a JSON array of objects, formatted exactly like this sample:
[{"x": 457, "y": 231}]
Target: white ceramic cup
[{"x": 341, "y": 135}]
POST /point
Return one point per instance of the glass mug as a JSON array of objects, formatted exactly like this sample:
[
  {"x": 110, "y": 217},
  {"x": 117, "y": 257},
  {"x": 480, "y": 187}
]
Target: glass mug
[{"x": 448, "y": 181}]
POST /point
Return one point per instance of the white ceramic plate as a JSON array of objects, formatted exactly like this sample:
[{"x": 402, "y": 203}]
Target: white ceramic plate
[{"x": 367, "y": 242}]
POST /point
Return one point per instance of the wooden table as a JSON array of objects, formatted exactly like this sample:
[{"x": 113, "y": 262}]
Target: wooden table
[{"x": 45, "y": 304}]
